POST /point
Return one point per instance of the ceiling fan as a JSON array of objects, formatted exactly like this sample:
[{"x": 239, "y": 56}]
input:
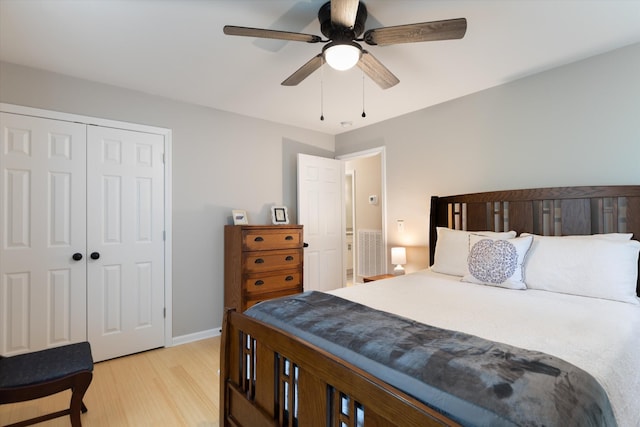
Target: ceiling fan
[{"x": 342, "y": 22}]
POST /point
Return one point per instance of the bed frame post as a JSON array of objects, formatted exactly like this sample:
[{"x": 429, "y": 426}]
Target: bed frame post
[
  {"x": 433, "y": 235},
  {"x": 224, "y": 366}
]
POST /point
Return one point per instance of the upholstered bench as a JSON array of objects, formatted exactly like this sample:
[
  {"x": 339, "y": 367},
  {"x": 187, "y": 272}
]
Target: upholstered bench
[{"x": 46, "y": 372}]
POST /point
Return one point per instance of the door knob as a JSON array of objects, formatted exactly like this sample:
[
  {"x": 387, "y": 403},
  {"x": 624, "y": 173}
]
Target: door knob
[
  {"x": 95, "y": 255},
  {"x": 77, "y": 256}
]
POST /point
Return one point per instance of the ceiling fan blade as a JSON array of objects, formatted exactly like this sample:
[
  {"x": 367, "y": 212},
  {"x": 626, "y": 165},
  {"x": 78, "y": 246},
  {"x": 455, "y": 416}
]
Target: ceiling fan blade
[
  {"x": 422, "y": 32},
  {"x": 343, "y": 12},
  {"x": 304, "y": 71},
  {"x": 376, "y": 71},
  {"x": 232, "y": 30}
]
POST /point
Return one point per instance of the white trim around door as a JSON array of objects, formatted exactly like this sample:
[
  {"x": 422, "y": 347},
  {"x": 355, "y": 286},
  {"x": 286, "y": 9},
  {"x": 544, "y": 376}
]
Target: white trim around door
[
  {"x": 167, "y": 135},
  {"x": 383, "y": 195}
]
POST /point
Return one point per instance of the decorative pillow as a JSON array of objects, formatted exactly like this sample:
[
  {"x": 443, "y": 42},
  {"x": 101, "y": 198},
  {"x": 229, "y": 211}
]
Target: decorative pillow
[
  {"x": 497, "y": 262},
  {"x": 592, "y": 267},
  {"x": 452, "y": 249}
]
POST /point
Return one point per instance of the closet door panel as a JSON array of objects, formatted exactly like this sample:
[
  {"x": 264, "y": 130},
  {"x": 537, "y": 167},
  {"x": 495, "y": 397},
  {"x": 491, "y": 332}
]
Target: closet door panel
[{"x": 43, "y": 224}]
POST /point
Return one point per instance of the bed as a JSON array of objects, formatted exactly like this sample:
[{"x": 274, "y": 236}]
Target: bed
[{"x": 276, "y": 373}]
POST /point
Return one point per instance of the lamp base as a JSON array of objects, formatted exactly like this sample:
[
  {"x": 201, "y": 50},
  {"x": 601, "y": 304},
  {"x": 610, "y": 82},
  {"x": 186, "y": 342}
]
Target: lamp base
[{"x": 398, "y": 271}]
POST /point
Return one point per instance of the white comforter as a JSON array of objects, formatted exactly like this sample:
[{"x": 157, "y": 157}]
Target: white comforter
[{"x": 600, "y": 336}]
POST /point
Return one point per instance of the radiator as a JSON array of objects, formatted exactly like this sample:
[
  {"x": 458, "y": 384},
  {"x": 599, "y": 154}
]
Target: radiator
[{"x": 370, "y": 253}]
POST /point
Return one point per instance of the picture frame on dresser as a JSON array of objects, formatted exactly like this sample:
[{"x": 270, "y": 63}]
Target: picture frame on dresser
[
  {"x": 239, "y": 217},
  {"x": 279, "y": 215}
]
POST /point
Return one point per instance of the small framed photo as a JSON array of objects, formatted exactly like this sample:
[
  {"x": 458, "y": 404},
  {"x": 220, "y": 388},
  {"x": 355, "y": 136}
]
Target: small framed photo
[
  {"x": 239, "y": 217},
  {"x": 279, "y": 215}
]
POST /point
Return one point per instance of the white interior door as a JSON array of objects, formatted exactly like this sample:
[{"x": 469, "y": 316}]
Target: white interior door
[
  {"x": 321, "y": 211},
  {"x": 42, "y": 220},
  {"x": 125, "y": 241}
]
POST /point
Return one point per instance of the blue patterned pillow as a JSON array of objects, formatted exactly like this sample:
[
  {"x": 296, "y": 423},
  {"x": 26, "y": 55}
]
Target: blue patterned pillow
[
  {"x": 497, "y": 262},
  {"x": 452, "y": 249}
]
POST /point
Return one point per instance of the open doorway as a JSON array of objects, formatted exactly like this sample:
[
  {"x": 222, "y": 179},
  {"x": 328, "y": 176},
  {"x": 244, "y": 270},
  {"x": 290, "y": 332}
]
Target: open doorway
[
  {"x": 349, "y": 251},
  {"x": 365, "y": 212}
]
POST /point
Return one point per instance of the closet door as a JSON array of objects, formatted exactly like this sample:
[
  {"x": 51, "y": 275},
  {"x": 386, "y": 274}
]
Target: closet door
[
  {"x": 125, "y": 241},
  {"x": 42, "y": 233}
]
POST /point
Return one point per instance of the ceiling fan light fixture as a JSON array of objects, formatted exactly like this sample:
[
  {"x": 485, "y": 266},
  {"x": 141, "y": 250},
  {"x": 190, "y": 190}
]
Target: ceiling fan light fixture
[{"x": 342, "y": 56}]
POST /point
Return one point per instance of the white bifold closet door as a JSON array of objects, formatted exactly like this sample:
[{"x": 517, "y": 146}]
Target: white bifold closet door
[
  {"x": 125, "y": 226},
  {"x": 43, "y": 289},
  {"x": 81, "y": 245}
]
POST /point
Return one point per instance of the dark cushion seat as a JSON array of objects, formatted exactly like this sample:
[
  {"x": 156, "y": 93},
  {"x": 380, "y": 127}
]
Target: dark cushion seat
[
  {"x": 43, "y": 373},
  {"x": 45, "y": 365}
]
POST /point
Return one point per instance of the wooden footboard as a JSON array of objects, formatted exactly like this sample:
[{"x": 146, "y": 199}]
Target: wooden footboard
[{"x": 271, "y": 378}]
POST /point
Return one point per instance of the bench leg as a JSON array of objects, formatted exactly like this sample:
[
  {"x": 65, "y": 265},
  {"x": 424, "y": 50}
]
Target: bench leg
[{"x": 77, "y": 406}]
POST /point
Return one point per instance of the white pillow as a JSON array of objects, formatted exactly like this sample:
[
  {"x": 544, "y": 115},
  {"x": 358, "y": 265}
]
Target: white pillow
[
  {"x": 607, "y": 236},
  {"x": 593, "y": 267},
  {"x": 452, "y": 249},
  {"x": 497, "y": 262}
]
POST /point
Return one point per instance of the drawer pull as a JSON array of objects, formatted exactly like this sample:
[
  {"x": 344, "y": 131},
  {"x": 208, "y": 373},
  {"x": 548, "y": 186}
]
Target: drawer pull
[
  {"x": 288, "y": 278},
  {"x": 259, "y": 282},
  {"x": 288, "y": 238},
  {"x": 289, "y": 258},
  {"x": 259, "y": 261},
  {"x": 258, "y": 239}
]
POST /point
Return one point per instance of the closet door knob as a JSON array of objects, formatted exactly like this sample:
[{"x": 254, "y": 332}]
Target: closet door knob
[
  {"x": 95, "y": 255},
  {"x": 77, "y": 256}
]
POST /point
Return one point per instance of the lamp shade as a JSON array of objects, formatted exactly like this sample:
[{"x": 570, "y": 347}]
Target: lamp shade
[
  {"x": 342, "y": 56},
  {"x": 398, "y": 256}
]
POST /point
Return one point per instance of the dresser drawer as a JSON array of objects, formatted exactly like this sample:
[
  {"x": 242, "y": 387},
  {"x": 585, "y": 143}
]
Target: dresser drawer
[
  {"x": 260, "y": 240},
  {"x": 261, "y": 283},
  {"x": 272, "y": 260}
]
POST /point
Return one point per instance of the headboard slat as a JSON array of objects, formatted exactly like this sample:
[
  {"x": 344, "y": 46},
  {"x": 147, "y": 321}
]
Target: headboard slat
[
  {"x": 633, "y": 216},
  {"x": 478, "y": 216},
  {"x": 521, "y": 215},
  {"x": 575, "y": 217}
]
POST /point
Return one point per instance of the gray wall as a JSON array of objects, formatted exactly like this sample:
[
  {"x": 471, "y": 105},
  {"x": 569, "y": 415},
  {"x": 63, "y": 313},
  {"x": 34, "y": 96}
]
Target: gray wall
[
  {"x": 574, "y": 125},
  {"x": 221, "y": 161}
]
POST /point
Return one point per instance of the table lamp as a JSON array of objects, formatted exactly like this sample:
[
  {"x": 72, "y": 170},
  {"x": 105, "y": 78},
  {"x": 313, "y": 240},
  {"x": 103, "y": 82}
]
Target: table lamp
[{"x": 399, "y": 258}]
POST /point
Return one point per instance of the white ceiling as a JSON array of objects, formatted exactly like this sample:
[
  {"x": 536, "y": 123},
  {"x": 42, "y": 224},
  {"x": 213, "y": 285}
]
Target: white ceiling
[{"x": 176, "y": 49}]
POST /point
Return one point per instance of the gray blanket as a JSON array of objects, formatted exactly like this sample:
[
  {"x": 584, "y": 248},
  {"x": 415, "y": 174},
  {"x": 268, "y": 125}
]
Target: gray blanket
[{"x": 471, "y": 380}]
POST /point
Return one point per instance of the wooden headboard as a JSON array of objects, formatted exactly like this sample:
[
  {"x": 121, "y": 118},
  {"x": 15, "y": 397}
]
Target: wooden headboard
[{"x": 554, "y": 211}]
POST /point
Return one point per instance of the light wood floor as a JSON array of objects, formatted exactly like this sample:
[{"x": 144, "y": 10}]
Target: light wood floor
[{"x": 176, "y": 386}]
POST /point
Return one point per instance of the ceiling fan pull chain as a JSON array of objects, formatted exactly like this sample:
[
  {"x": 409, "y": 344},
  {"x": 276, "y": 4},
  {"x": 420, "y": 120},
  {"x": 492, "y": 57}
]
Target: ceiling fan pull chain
[
  {"x": 322, "y": 92},
  {"x": 363, "y": 113}
]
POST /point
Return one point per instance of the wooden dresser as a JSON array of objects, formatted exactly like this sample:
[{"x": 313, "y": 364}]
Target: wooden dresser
[{"x": 261, "y": 262}]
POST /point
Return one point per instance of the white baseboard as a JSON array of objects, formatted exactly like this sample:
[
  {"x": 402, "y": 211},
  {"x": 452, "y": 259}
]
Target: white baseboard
[{"x": 196, "y": 336}]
